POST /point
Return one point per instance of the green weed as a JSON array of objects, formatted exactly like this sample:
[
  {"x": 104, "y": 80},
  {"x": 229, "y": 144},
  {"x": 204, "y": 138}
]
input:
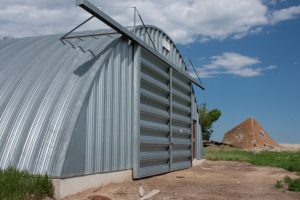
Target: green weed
[
  {"x": 287, "y": 179},
  {"x": 294, "y": 185},
  {"x": 279, "y": 184},
  {"x": 20, "y": 185}
]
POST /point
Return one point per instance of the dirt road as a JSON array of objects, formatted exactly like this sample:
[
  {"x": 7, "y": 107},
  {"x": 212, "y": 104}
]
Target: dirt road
[{"x": 212, "y": 180}]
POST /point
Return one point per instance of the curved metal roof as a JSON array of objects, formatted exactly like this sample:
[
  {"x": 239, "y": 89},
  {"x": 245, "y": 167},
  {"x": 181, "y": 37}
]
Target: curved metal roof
[
  {"x": 157, "y": 36},
  {"x": 43, "y": 81}
]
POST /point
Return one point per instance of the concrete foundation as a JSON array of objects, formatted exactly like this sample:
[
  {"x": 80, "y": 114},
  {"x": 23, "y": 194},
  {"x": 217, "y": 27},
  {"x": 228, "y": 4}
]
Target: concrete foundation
[
  {"x": 68, "y": 186},
  {"x": 196, "y": 162}
]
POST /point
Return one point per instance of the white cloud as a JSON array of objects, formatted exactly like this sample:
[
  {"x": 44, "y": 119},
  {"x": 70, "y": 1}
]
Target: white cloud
[
  {"x": 232, "y": 63},
  {"x": 186, "y": 21},
  {"x": 285, "y": 14}
]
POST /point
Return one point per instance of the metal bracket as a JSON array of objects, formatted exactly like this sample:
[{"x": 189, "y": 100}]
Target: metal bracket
[
  {"x": 85, "y": 21},
  {"x": 195, "y": 71}
]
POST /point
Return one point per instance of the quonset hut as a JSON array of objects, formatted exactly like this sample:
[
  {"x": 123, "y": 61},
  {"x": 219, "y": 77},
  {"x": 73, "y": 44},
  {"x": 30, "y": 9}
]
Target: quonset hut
[{"x": 95, "y": 102}]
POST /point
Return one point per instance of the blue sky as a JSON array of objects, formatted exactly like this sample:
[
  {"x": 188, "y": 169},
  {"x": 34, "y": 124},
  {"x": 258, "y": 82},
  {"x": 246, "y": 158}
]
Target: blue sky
[
  {"x": 247, "y": 52},
  {"x": 272, "y": 97}
]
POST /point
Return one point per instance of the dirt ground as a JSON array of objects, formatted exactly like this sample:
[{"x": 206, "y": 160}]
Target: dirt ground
[{"x": 211, "y": 180}]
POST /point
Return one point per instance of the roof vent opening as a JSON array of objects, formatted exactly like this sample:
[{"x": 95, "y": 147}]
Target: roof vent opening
[{"x": 166, "y": 45}]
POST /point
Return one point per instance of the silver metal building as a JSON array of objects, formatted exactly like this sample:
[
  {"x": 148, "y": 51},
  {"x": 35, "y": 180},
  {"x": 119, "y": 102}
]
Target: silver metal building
[{"x": 97, "y": 101}]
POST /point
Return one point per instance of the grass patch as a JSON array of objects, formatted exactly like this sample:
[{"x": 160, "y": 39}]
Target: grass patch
[
  {"x": 289, "y": 183},
  {"x": 294, "y": 185},
  {"x": 286, "y": 160},
  {"x": 20, "y": 185}
]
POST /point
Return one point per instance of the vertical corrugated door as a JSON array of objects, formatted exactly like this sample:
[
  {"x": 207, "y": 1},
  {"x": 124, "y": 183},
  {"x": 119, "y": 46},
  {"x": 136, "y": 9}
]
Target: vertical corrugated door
[
  {"x": 165, "y": 119},
  {"x": 181, "y": 122}
]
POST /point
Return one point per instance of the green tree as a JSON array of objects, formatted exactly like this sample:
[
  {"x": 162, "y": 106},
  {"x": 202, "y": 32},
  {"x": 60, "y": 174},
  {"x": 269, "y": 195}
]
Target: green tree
[{"x": 207, "y": 118}]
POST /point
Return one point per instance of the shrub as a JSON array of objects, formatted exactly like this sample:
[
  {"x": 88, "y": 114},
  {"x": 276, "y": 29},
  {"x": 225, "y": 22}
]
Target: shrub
[
  {"x": 294, "y": 185},
  {"x": 20, "y": 185},
  {"x": 287, "y": 179},
  {"x": 278, "y": 185}
]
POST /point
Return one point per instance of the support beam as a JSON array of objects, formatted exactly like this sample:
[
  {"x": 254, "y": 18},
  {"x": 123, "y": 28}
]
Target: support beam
[
  {"x": 85, "y": 21},
  {"x": 95, "y": 11}
]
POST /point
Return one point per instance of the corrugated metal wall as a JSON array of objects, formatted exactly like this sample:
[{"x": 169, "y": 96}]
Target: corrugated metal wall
[
  {"x": 110, "y": 114},
  {"x": 165, "y": 120},
  {"x": 199, "y": 141},
  {"x": 108, "y": 119},
  {"x": 42, "y": 83},
  {"x": 157, "y": 36}
]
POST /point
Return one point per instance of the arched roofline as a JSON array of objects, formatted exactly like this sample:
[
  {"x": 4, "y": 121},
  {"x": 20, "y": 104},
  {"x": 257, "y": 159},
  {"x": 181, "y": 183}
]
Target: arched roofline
[{"x": 169, "y": 37}]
